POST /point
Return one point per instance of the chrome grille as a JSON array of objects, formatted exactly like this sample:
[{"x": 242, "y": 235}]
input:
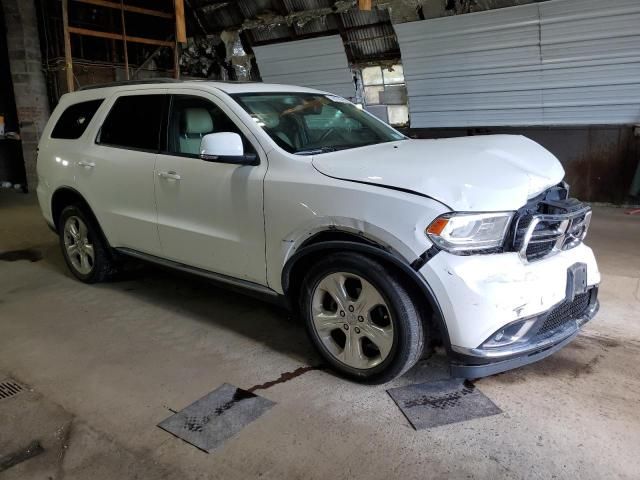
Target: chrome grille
[{"x": 539, "y": 235}]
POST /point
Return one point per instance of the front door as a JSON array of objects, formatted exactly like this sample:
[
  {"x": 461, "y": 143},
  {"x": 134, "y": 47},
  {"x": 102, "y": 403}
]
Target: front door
[{"x": 210, "y": 215}]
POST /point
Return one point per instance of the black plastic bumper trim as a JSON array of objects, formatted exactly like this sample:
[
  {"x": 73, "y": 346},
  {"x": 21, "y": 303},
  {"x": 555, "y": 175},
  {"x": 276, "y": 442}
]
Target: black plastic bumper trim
[
  {"x": 479, "y": 371},
  {"x": 422, "y": 260}
]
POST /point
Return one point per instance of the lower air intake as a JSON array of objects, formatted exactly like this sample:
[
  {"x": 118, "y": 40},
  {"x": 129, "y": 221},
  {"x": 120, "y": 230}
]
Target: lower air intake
[{"x": 566, "y": 312}]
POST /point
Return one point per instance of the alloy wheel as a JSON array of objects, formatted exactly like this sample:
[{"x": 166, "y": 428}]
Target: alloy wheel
[
  {"x": 78, "y": 249},
  {"x": 352, "y": 320}
]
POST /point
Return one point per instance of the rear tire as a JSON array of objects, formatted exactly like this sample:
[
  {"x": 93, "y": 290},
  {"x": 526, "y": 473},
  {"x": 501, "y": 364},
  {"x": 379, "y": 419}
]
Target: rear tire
[
  {"x": 83, "y": 247},
  {"x": 361, "y": 318}
]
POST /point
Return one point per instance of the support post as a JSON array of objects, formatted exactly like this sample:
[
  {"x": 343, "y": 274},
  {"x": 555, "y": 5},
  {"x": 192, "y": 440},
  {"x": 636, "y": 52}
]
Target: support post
[
  {"x": 181, "y": 36},
  {"x": 181, "y": 28},
  {"x": 176, "y": 61}
]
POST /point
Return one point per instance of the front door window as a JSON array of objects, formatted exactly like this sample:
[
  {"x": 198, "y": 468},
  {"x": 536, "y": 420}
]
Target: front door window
[{"x": 191, "y": 119}]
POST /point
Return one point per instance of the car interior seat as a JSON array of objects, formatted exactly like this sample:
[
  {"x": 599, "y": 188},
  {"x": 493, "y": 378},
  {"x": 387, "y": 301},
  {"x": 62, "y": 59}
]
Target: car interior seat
[{"x": 195, "y": 124}]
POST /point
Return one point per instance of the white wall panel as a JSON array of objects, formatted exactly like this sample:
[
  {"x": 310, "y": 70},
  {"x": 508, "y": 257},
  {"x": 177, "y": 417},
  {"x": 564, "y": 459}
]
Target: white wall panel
[
  {"x": 557, "y": 62},
  {"x": 315, "y": 63}
]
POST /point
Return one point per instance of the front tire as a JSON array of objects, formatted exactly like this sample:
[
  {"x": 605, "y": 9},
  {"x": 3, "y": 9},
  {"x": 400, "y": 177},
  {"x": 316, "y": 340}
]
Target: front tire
[
  {"x": 361, "y": 318},
  {"x": 83, "y": 247}
]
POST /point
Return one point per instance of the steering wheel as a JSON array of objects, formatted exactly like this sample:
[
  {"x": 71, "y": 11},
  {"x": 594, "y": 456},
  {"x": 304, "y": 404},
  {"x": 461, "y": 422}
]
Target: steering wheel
[{"x": 326, "y": 134}]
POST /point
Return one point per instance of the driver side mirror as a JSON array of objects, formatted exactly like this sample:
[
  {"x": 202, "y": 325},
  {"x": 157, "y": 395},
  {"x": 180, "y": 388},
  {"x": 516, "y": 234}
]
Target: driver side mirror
[{"x": 226, "y": 147}]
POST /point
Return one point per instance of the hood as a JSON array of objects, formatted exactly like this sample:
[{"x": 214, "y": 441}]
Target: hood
[{"x": 481, "y": 173}]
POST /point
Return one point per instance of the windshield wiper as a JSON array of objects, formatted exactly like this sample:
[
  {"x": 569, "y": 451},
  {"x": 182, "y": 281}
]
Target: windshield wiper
[
  {"x": 333, "y": 148},
  {"x": 313, "y": 151}
]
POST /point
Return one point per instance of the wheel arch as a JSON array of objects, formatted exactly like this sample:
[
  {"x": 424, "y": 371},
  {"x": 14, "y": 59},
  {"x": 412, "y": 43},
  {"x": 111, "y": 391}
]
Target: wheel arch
[
  {"x": 339, "y": 241},
  {"x": 65, "y": 196}
]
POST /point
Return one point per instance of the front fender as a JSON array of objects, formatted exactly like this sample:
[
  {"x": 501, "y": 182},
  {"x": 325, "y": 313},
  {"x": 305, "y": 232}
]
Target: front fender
[
  {"x": 366, "y": 231},
  {"x": 386, "y": 257}
]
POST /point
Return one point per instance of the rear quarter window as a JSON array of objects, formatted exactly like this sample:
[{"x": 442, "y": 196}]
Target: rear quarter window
[{"x": 75, "y": 120}]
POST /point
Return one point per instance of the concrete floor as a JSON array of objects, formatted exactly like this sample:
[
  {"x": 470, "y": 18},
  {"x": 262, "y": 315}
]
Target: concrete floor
[{"x": 106, "y": 363}]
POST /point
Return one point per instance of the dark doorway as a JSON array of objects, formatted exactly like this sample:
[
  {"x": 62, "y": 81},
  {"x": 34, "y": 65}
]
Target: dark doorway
[{"x": 12, "y": 169}]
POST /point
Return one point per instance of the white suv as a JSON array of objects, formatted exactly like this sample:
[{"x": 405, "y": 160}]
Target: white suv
[{"x": 383, "y": 244}]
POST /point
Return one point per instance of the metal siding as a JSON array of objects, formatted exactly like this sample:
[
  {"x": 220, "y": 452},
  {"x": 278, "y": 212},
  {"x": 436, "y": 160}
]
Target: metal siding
[
  {"x": 316, "y": 63},
  {"x": 590, "y": 61},
  {"x": 562, "y": 62},
  {"x": 475, "y": 69}
]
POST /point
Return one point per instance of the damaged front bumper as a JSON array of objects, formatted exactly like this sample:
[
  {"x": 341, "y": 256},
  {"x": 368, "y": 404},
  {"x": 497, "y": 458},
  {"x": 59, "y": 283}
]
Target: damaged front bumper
[
  {"x": 500, "y": 312},
  {"x": 548, "y": 333}
]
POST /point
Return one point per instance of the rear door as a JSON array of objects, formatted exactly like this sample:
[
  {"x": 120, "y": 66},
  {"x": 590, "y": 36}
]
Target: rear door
[
  {"x": 117, "y": 172},
  {"x": 210, "y": 215}
]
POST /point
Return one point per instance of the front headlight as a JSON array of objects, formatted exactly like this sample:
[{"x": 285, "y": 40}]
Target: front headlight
[{"x": 469, "y": 232}]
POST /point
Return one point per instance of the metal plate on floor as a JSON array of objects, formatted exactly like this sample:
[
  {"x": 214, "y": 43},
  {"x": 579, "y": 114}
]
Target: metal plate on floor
[
  {"x": 216, "y": 417},
  {"x": 433, "y": 404},
  {"x": 9, "y": 388}
]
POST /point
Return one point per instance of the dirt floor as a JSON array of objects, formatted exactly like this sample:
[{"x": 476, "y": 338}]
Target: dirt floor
[{"x": 103, "y": 365}]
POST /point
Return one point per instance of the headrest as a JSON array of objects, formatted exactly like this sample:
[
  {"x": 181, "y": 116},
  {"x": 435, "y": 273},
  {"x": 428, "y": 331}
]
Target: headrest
[{"x": 197, "y": 121}]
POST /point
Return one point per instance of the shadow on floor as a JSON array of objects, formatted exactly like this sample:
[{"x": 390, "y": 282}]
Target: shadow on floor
[{"x": 204, "y": 300}]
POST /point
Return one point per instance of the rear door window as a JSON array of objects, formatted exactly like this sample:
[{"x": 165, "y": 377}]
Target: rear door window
[
  {"x": 134, "y": 122},
  {"x": 75, "y": 120}
]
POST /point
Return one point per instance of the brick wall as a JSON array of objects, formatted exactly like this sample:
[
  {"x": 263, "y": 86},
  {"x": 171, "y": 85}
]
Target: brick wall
[{"x": 28, "y": 78}]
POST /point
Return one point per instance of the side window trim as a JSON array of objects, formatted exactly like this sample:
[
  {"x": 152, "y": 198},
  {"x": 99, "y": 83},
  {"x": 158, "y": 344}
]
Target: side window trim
[
  {"x": 114, "y": 99},
  {"x": 164, "y": 125},
  {"x": 198, "y": 94}
]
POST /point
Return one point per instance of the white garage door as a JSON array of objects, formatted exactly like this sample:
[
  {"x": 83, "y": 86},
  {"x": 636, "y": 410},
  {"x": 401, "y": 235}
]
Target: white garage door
[
  {"x": 316, "y": 63},
  {"x": 562, "y": 62}
]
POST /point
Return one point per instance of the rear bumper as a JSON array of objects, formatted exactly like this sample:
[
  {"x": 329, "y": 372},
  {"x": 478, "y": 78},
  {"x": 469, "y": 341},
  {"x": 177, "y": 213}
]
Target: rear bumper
[{"x": 478, "y": 362}]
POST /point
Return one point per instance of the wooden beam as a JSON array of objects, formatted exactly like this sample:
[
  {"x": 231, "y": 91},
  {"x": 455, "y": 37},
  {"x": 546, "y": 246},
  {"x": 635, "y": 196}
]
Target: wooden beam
[
  {"x": 127, "y": 8},
  {"x": 181, "y": 28},
  {"x": 68, "y": 59},
  {"x": 176, "y": 61},
  {"x": 118, "y": 36},
  {"x": 364, "y": 4}
]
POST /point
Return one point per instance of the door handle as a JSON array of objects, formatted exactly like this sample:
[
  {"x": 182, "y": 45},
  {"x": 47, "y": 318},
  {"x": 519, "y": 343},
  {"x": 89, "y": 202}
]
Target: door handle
[
  {"x": 84, "y": 164},
  {"x": 171, "y": 175}
]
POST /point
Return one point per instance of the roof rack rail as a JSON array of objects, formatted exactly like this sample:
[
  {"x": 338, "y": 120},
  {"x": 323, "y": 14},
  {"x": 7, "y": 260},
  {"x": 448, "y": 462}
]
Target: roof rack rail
[{"x": 150, "y": 81}]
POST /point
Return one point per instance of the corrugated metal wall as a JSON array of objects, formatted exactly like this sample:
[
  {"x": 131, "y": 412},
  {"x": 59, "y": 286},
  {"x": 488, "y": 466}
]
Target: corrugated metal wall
[
  {"x": 591, "y": 61},
  {"x": 562, "y": 62},
  {"x": 316, "y": 63}
]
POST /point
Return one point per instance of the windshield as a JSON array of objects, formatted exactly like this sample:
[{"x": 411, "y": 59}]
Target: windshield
[{"x": 309, "y": 123}]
